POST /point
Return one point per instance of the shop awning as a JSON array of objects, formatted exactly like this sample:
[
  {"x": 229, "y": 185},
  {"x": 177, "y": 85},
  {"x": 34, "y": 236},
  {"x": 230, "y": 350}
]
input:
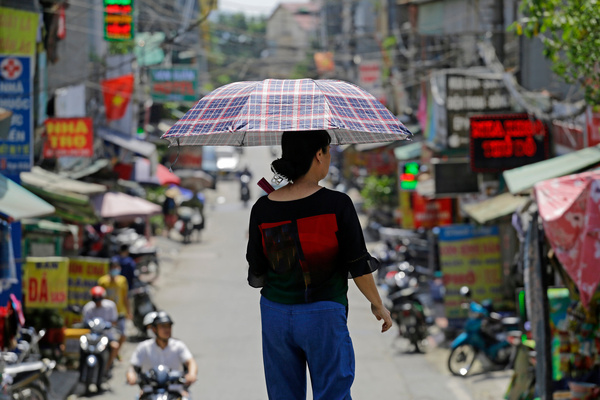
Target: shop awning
[
  {"x": 523, "y": 178},
  {"x": 408, "y": 151},
  {"x": 122, "y": 206},
  {"x": 132, "y": 144},
  {"x": 495, "y": 207},
  {"x": 18, "y": 202},
  {"x": 52, "y": 182}
]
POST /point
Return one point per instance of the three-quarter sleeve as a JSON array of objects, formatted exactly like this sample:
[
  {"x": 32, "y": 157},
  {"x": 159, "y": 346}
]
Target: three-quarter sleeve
[
  {"x": 352, "y": 246},
  {"x": 257, "y": 261}
]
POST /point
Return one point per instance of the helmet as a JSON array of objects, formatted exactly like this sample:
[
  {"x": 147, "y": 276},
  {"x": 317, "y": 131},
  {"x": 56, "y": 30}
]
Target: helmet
[
  {"x": 162, "y": 318},
  {"x": 115, "y": 260},
  {"x": 97, "y": 293},
  {"x": 149, "y": 318}
]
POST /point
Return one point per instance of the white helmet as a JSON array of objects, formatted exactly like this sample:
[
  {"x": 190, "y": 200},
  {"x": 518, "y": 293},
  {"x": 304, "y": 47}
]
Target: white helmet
[{"x": 149, "y": 318}]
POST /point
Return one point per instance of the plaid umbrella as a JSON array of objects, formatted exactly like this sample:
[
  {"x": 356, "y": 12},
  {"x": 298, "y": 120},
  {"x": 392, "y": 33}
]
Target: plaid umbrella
[{"x": 255, "y": 113}]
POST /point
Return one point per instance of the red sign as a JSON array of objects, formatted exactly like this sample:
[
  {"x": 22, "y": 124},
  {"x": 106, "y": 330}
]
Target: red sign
[
  {"x": 506, "y": 141},
  {"x": 429, "y": 213},
  {"x": 118, "y": 19},
  {"x": 69, "y": 137}
]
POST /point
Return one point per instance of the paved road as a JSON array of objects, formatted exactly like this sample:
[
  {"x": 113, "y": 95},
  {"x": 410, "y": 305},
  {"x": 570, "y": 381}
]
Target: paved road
[{"x": 203, "y": 286}]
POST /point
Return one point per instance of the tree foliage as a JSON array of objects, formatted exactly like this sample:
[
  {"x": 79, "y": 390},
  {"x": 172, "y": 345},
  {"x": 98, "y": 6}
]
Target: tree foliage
[{"x": 570, "y": 31}]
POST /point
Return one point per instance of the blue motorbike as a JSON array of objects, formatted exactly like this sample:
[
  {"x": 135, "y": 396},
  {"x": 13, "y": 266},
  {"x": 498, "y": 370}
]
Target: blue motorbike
[{"x": 485, "y": 333}]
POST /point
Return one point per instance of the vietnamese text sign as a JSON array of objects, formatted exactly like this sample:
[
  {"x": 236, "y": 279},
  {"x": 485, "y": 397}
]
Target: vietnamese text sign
[
  {"x": 45, "y": 282},
  {"x": 118, "y": 20},
  {"x": 506, "y": 141},
  {"x": 68, "y": 137},
  {"x": 467, "y": 95},
  {"x": 173, "y": 84},
  {"x": 16, "y": 95},
  {"x": 83, "y": 275},
  {"x": 470, "y": 256},
  {"x": 18, "y": 31}
]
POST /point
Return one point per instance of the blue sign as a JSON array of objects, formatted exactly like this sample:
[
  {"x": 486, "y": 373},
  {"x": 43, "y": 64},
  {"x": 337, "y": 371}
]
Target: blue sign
[{"x": 16, "y": 95}]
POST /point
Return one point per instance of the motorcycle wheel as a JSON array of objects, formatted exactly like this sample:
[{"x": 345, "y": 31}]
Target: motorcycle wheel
[
  {"x": 461, "y": 359},
  {"x": 30, "y": 392}
]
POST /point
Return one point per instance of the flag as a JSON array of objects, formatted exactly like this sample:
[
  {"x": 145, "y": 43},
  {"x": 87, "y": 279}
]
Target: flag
[{"x": 117, "y": 93}]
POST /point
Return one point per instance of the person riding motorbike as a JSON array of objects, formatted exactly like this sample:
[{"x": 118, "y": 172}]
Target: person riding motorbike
[
  {"x": 163, "y": 350},
  {"x": 101, "y": 307}
]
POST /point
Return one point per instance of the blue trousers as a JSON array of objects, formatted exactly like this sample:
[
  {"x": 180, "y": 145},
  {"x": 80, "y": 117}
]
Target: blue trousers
[{"x": 314, "y": 334}]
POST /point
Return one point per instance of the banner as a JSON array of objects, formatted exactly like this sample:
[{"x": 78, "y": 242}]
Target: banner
[
  {"x": 69, "y": 137},
  {"x": 45, "y": 282},
  {"x": 470, "y": 256},
  {"x": 173, "y": 84},
  {"x": 117, "y": 94},
  {"x": 83, "y": 275},
  {"x": 18, "y": 31},
  {"x": 16, "y": 95}
]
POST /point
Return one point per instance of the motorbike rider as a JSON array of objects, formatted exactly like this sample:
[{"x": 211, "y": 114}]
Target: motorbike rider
[
  {"x": 101, "y": 307},
  {"x": 162, "y": 350}
]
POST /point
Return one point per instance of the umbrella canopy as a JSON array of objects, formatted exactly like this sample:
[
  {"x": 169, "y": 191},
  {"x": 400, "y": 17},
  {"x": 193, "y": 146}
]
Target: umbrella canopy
[
  {"x": 255, "y": 113},
  {"x": 142, "y": 173},
  {"x": 121, "y": 206},
  {"x": 570, "y": 211},
  {"x": 18, "y": 202}
]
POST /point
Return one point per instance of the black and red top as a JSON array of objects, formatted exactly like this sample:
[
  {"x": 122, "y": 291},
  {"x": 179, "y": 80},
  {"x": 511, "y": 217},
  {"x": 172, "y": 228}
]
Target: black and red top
[{"x": 305, "y": 250}]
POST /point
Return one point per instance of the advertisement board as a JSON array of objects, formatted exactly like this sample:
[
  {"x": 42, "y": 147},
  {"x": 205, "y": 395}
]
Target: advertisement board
[
  {"x": 174, "y": 84},
  {"x": 16, "y": 95},
  {"x": 504, "y": 141},
  {"x": 469, "y": 256},
  {"x": 69, "y": 137},
  {"x": 45, "y": 282},
  {"x": 83, "y": 275}
]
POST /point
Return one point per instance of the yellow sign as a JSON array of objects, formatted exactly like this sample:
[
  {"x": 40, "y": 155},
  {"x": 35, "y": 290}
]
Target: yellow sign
[
  {"x": 45, "y": 282},
  {"x": 18, "y": 31},
  {"x": 470, "y": 256},
  {"x": 83, "y": 275}
]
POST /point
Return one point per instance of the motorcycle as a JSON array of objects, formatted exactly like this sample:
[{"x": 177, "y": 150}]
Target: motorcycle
[
  {"x": 142, "y": 305},
  {"x": 143, "y": 253},
  {"x": 186, "y": 222},
  {"x": 94, "y": 350},
  {"x": 160, "y": 383},
  {"x": 485, "y": 333},
  {"x": 26, "y": 380}
]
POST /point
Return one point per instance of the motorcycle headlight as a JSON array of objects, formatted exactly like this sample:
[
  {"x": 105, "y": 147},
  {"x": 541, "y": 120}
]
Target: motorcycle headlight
[
  {"x": 83, "y": 343},
  {"x": 102, "y": 344}
]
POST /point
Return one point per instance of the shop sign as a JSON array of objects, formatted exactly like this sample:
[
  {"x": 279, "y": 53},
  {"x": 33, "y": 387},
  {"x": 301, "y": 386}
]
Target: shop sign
[
  {"x": 506, "y": 141},
  {"x": 379, "y": 161},
  {"x": 18, "y": 31},
  {"x": 469, "y": 256},
  {"x": 83, "y": 275},
  {"x": 369, "y": 78},
  {"x": 173, "y": 84},
  {"x": 468, "y": 95},
  {"x": 69, "y": 137},
  {"x": 16, "y": 95},
  {"x": 429, "y": 213},
  {"x": 45, "y": 282},
  {"x": 118, "y": 20}
]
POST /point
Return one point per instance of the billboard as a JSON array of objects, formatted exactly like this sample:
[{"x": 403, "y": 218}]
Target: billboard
[
  {"x": 69, "y": 137},
  {"x": 174, "y": 84}
]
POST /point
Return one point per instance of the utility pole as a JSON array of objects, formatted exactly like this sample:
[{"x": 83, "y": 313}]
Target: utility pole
[{"x": 498, "y": 34}]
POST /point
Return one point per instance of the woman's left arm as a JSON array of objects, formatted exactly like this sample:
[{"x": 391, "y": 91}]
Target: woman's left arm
[{"x": 366, "y": 284}]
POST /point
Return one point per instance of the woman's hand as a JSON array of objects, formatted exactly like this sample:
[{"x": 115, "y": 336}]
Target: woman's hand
[{"x": 382, "y": 313}]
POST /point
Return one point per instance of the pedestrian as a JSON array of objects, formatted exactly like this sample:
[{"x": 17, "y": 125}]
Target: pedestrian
[
  {"x": 304, "y": 241},
  {"x": 127, "y": 264},
  {"x": 169, "y": 210},
  {"x": 117, "y": 290}
]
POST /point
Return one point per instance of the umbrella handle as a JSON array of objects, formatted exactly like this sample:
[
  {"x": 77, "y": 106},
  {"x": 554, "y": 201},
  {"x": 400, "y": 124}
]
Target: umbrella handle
[{"x": 266, "y": 186}]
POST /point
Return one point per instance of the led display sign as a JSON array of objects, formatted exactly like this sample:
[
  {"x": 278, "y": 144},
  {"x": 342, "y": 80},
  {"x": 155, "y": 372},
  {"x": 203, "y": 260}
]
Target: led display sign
[
  {"x": 118, "y": 20},
  {"x": 506, "y": 141},
  {"x": 408, "y": 177}
]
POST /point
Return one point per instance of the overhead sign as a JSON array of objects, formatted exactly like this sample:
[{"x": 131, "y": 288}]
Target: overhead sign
[
  {"x": 469, "y": 95},
  {"x": 16, "y": 95},
  {"x": 118, "y": 20},
  {"x": 506, "y": 141},
  {"x": 18, "y": 30},
  {"x": 173, "y": 84},
  {"x": 69, "y": 137}
]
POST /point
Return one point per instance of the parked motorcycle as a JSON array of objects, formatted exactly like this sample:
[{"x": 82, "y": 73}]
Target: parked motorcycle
[
  {"x": 143, "y": 253},
  {"x": 142, "y": 305},
  {"x": 26, "y": 380},
  {"x": 160, "y": 383},
  {"x": 485, "y": 333},
  {"x": 94, "y": 350}
]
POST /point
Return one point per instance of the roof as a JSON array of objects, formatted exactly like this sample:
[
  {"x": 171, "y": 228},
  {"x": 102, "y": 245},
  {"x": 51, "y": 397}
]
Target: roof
[
  {"x": 305, "y": 14},
  {"x": 495, "y": 207},
  {"x": 523, "y": 178}
]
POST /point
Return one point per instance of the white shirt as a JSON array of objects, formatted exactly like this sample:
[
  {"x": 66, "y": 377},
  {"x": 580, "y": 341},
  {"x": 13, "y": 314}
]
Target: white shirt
[
  {"x": 107, "y": 311},
  {"x": 148, "y": 355}
]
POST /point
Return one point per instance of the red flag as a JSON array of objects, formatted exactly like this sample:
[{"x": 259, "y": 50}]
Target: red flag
[{"x": 117, "y": 93}]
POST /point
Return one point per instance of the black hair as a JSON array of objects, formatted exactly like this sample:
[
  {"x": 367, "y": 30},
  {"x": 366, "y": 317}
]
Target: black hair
[{"x": 297, "y": 151}]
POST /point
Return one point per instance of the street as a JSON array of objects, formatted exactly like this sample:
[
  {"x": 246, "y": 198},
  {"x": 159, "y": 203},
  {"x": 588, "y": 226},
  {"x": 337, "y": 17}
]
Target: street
[{"x": 203, "y": 287}]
